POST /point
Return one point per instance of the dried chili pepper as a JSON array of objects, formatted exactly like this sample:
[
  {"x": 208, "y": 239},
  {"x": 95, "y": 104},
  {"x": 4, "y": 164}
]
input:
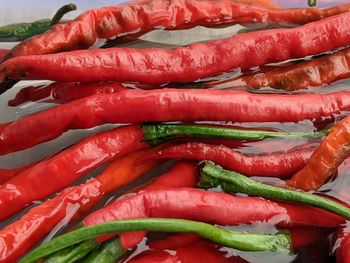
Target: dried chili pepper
[
  {"x": 324, "y": 162},
  {"x": 185, "y": 64},
  {"x": 239, "y": 240},
  {"x": 18, "y": 237},
  {"x": 21, "y": 31},
  {"x": 141, "y": 17},
  {"x": 169, "y": 105},
  {"x": 272, "y": 165},
  {"x": 63, "y": 92},
  {"x": 213, "y": 176},
  {"x": 92, "y": 152},
  {"x": 313, "y": 73}
]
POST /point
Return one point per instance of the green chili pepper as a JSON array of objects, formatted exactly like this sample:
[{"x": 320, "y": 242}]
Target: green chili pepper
[
  {"x": 109, "y": 252},
  {"x": 21, "y": 31},
  {"x": 159, "y": 133},
  {"x": 213, "y": 176},
  {"x": 238, "y": 240}
]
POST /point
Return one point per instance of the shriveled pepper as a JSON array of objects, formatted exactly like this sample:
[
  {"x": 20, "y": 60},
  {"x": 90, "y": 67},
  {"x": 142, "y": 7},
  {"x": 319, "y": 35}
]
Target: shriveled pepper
[
  {"x": 313, "y": 73},
  {"x": 18, "y": 237},
  {"x": 21, "y": 31},
  {"x": 169, "y": 105},
  {"x": 142, "y": 17},
  {"x": 184, "y": 64},
  {"x": 63, "y": 92},
  {"x": 324, "y": 162},
  {"x": 279, "y": 165}
]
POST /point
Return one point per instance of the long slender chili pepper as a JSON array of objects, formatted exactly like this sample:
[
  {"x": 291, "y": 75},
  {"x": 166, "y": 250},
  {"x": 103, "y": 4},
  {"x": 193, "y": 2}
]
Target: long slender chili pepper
[
  {"x": 7, "y": 174},
  {"x": 239, "y": 240},
  {"x": 63, "y": 92},
  {"x": 142, "y": 17},
  {"x": 213, "y": 176},
  {"x": 272, "y": 165},
  {"x": 184, "y": 64},
  {"x": 324, "y": 162},
  {"x": 169, "y": 105},
  {"x": 313, "y": 73},
  {"x": 92, "y": 152},
  {"x": 21, "y": 31},
  {"x": 18, "y": 237}
]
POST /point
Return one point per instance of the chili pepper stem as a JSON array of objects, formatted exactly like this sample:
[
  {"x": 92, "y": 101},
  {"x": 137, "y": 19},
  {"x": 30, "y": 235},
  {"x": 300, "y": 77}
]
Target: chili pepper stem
[
  {"x": 238, "y": 240},
  {"x": 312, "y": 2},
  {"x": 213, "y": 176},
  {"x": 159, "y": 133},
  {"x": 109, "y": 252},
  {"x": 61, "y": 12}
]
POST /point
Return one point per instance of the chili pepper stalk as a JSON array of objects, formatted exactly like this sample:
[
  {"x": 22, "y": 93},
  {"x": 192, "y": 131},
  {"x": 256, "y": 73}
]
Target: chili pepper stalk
[
  {"x": 213, "y": 176},
  {"x": 109, "y": 252},
  {"x": 238, "y": 240}
]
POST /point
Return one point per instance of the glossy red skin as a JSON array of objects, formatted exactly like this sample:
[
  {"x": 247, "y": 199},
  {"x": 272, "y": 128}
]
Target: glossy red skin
[
  {"x": 67, "y": 166},
  {"x": 144, "y": 16},
  {"x": 342, "y": 245},
  {"x": 313, "y": 73},
  {"x": 63, "y": 92},
  {"x": 21, "y": 235},
  {"x": 325, "y": 161},
  {"x": 272, "y": 165},
  {"x": 211, "y": 207},
  {"x": 7, "y": 174},
  {"x": 138, "y": 106},
  {"x": 184, "y": 64}
]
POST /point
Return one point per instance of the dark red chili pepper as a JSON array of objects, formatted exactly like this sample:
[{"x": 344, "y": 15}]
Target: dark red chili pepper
[
  {"x": 211, "y": 207},
  {"x": 326, "y": 159},
  {"x": 142, "y": 17},
  {"x": 18, "y": 237},
  {"x": 169, "y": 105},
  {"x": 273, "y": 165},
  {"x": 63, "y": 92},
  {"x": 342, "y": 245},
  {"x": 3, "y": 53},
  {"x": 313, "y": 73},
  {"x": 184, "y": 64}
]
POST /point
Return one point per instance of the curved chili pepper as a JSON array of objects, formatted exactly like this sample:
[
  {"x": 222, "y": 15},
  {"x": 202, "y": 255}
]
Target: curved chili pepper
[
  {"x": 313, "y": 73},
  {"x": 18, "y": 237},
  {"x": 184, "y": 64},
  {"x": 272, "y": 165},
  {"x": 324, "y": 162},
  {"x": 63, "y": 92},
  {"x": 219, "y": 208},
  {"x": 21, "y": 31},
  {"x": 169, "y": 105},
  {"x": 148, "y": 15}
]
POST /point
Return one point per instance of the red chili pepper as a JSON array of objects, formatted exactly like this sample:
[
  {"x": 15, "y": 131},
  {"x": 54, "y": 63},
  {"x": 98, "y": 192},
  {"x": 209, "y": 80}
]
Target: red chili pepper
[
  {"x": 7, "y": 174},
  {"x": 326, "y": 159},
  {"x": 313, "y": 73},
  {"x": 219, "y": 208},
  {"x": 273, "y": 165},
  {"x": 18, "y": 237},
  {"x": 63, "y": 92},
  {"x": 138, "y": 106},
  {"x": 142, "y": 17},
  {"x": 185, "y": 64},
  {"x": 342, "y": 245},
  {"x": 174, "y": 241},
  {"x": 3, "y": 53}
]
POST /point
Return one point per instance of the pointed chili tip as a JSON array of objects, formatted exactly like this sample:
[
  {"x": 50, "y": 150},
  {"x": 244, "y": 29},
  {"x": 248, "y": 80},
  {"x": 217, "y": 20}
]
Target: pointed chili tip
[{"x": 312, "y": 3}]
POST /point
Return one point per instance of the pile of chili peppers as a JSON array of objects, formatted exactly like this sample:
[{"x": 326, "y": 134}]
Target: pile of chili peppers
[{"x": 248, "y": 167}]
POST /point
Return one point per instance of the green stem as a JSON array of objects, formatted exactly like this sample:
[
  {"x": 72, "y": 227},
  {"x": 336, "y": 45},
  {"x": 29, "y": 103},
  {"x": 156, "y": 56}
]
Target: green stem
[
  {"x": 72, "y": 254},
  {"x": 312, "y": 2},
  {"x": 159, "y": 133},
  {"x": 109, "y": 252},
  {"x": 61, "y": 12},
  {"x": 213, "y": 176},
  {"x": 238, "y": 240}
]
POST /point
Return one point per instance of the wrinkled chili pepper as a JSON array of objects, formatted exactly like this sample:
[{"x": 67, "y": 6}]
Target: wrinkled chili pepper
[
  {"x": 313, "y": 73},
  {"x": 324, "y": 162},
  {"x": 18, "y": 237},
  {"x": 184, "y": 64},
  {"x": 94, "y": 151},
  {"x": 169, "y": 105},
  {"x": 21, "y": 31},
  {"x": 214, "y": 176},
  {"x": 142, "y": 17},
  {"x": 271, "y": 165},
  {"x": 63, "y": 92}
]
